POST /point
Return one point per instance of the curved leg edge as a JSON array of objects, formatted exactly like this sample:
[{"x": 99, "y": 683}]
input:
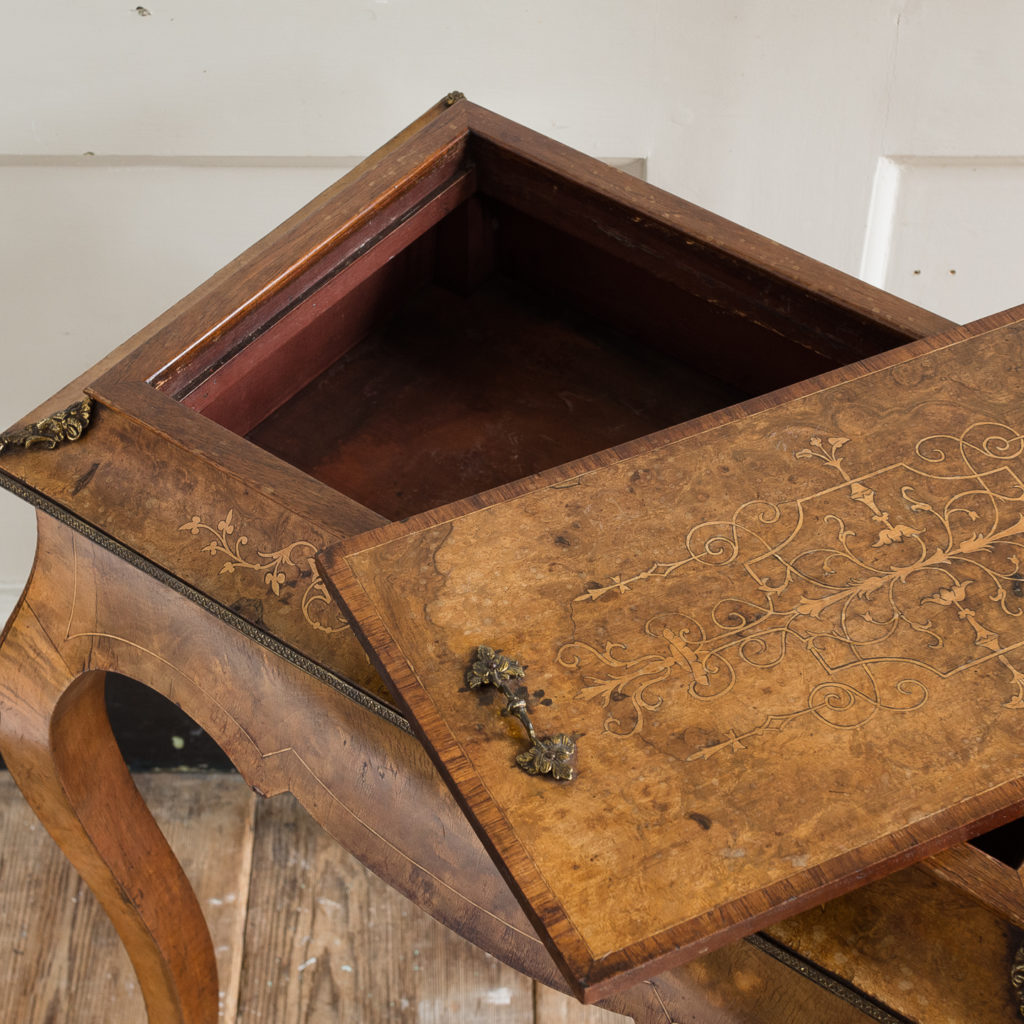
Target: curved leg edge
[{"x": 56, "y": 740}]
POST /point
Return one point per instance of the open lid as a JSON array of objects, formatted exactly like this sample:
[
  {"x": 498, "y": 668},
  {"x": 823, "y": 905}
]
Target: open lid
[{"x": 788, "y": 639}]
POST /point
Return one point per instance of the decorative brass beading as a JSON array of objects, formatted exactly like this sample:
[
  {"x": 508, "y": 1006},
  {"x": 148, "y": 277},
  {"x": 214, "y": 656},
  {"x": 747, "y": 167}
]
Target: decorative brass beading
[
  {"x": 554, "y": 755},
  {"x": 67, "y": 425}
]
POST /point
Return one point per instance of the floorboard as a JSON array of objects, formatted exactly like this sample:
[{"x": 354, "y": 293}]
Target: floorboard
[
  {"x": 328, "y": 942},
  {"x": 552, "y": 1007},
  {"x": 303, "y": 933},
  {"x": 61, "y": 961}
]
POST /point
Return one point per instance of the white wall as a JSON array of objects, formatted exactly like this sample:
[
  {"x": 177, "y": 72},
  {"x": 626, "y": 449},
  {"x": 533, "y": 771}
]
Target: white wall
[{"x": 142, "y": 151}]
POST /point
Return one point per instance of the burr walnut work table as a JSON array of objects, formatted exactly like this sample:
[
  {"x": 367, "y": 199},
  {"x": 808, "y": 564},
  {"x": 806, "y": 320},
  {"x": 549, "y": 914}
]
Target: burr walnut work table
[{"x": 640, "y": 598}]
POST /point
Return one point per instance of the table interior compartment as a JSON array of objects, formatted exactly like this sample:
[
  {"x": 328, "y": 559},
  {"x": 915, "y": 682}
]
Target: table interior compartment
[{"x": 490, "y": 345}]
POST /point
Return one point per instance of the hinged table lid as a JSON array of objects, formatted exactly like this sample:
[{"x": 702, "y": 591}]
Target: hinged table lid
[{"x": 788, "y": 642}]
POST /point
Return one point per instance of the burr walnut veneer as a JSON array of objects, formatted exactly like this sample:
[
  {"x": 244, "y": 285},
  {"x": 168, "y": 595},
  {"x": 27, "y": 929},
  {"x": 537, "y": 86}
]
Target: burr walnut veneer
[
  {"x": 751, "y": 524},
  {"x": 788, "y": 642}
]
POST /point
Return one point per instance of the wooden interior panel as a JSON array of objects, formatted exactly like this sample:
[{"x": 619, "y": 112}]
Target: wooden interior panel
[
  {"x": 680, "y": 241},
  {"x": 729, "y": 344},
  {"x": 267, "y": 367},
  {"x": 982, "y": 878},
  {"x": 265, "y": 374},
  {"x": 324, "y": 237},
  {"x": 917, "y": 946},
  {"x": 459, "y": 394}
]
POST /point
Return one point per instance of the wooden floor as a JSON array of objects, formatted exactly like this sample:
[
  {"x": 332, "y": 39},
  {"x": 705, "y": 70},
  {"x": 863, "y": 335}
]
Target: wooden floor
[{"x": 302, "y": 932}]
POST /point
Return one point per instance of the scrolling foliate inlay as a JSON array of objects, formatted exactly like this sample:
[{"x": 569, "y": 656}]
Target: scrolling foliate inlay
[
  {"x": 850, "y": 601},
  {"x": 289, "y": 566}
]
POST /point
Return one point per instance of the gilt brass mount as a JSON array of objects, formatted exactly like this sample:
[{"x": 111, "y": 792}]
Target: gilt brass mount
[
  {"x": 1017, "y": 979},
  {"x": 554, "y": 755},
  {"x": 67, "y": 425}
]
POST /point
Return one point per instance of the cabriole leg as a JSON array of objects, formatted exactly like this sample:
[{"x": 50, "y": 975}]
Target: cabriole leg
[{"x": 56, "y": 740}]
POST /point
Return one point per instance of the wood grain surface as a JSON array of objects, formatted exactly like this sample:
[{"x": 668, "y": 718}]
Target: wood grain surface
[
  {"x": 795, "y": 635},
  {"x": 883, "y": 937},
  {"x": 981, "y": 878},
  {"x": 520, "y": 384},
  {"x": 326, "y": 941}
]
